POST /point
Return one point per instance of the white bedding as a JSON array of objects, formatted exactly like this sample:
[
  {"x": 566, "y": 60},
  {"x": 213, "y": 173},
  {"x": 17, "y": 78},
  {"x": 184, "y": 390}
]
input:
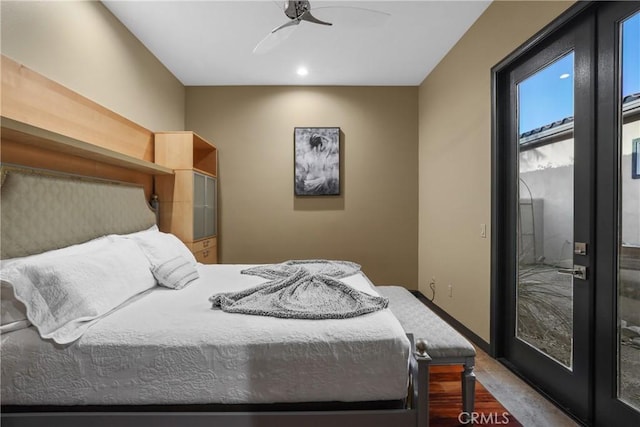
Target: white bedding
[{"x": 170, "y": 347}]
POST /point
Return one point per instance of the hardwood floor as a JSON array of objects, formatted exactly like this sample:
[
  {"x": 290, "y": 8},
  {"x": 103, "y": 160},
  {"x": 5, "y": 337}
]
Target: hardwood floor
[{"x": 445, "y": 398}]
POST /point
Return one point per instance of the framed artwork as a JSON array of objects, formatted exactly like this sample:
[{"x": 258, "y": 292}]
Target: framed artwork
[
  {"x": 635, "y": 159},
  {"x": 317, "y": 161}
]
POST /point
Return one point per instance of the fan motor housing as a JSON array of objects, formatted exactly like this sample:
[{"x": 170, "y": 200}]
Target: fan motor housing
[{"x": 295, "y": 9}]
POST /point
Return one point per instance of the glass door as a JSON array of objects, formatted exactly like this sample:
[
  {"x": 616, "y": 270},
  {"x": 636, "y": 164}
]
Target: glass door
[
  {"x": 548, "y": 273},
  {"x": 566, "y": 212},
  {"x": 618, "y": 292}
]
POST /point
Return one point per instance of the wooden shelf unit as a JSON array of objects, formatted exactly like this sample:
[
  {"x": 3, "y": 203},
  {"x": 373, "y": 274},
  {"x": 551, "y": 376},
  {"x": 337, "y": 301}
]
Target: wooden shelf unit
[
  {"x": 188, "y": 200},
  {"x": 186, "y": 150},
  {"x": 24, "y": 133}
]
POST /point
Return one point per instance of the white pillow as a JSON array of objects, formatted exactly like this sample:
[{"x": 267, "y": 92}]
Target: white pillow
[
  {"x": 66, "y": 293},
  {"x": 78, "y": 249},
  {"x": 159, "y": 247},
  {"x": 13, "y": 313},
  {"x": 175, "y": 273},
  {"x": 152, "y": 229}
]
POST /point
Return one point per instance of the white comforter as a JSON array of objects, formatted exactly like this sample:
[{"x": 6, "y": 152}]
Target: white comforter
[{"x": 170, "y": 347}]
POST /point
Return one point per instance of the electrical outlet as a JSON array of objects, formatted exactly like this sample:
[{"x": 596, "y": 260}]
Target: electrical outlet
[
  {"x": 432, "y": 286},
  {"x": 450, "y": 291}
]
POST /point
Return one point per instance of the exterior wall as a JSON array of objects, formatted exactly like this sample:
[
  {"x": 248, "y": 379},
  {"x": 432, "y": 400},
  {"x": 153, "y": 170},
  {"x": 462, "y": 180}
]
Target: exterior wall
[
  {"x": 553, "y": 187},
  {"x": 455, "y": 159},
  {"x": 630, "y": 188},
  {"x": 546, "y": 175},
  {"x": 373, "y": 222},
  {"x": 82, "y": 46}
]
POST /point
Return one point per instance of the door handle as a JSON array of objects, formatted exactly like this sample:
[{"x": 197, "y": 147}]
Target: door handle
[{"x": 578, "y": 271}]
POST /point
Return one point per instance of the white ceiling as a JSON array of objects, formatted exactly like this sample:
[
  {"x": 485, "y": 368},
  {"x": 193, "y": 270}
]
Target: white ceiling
[{"x": 210, "y": 43}]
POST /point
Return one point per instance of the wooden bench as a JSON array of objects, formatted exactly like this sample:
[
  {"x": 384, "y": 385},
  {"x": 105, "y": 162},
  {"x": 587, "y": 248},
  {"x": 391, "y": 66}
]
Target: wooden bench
[{"x": 445, "y": 345}]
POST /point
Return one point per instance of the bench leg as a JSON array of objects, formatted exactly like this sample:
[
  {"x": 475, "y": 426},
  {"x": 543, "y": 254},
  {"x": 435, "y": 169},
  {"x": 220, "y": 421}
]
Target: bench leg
[
  {"x": 422, "y": 419},
  {"x": 468, "y": 386}
]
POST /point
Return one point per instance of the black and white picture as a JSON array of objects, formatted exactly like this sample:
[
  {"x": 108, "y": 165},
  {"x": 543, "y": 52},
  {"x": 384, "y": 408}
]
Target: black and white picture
[{"x": 317, "y": 161}]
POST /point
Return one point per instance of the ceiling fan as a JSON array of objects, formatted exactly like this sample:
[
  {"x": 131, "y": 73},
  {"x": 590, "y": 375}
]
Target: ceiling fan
[{"x": 300, "y": 10}]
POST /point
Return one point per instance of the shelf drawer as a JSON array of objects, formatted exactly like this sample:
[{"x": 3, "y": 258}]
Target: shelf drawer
[
  {"x": 207, "y": 256},
  {"x": 203, "y": 244}
]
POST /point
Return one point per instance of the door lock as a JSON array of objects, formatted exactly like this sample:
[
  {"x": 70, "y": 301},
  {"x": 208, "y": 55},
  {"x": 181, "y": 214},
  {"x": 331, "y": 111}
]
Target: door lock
[
  {"x": 578, "y": 271},
  {"x": 580, "y": 248}
]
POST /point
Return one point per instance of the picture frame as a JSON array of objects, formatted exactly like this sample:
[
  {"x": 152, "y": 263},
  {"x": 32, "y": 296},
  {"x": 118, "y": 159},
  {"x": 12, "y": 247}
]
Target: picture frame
[
  {"x": 316, "y": 161},
  {"x": 635, "y": 159}
]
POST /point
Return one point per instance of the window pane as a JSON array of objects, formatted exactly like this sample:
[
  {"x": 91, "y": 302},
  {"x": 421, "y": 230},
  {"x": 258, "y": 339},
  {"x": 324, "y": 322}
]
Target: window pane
[
  {"x": 544, "y": 318},
  {"x": 629, "y": 214}
]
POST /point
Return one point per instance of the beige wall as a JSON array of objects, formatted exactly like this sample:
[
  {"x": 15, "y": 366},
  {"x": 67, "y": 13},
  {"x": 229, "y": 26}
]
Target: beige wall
[
  {"x": 82, "y": 46},
  {"x": 455, "y": 159},
  {"x": 374, "y": 222}
]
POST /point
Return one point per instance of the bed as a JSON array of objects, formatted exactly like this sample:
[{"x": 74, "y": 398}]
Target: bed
[{"x": 156, "y": 355}]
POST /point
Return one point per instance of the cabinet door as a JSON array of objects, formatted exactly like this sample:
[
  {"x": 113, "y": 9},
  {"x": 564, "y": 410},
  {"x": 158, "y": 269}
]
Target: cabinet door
[
  {"x": 210, "y": 219},
  {"x": 199, "y": 204}
]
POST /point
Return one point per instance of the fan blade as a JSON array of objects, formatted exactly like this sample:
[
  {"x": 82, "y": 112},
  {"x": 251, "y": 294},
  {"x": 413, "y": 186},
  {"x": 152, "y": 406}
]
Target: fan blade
[
  {"x": 357, "y": 17},
  {"x": 275, "y": 37},
  {"x": 307, "y": 16},
  {"x": 286, "y": 24}
]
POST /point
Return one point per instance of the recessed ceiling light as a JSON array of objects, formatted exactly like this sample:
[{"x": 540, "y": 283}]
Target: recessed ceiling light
[
  {"x": 565, "y": 75},
  {"x": 302, "y": 71}
]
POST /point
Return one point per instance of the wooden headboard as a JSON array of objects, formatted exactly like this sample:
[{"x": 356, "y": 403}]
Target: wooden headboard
[{"x": 45, "y": 210}]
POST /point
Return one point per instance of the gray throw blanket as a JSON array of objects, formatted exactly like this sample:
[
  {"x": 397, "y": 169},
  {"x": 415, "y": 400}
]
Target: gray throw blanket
[{"x": 302, "y": 290}]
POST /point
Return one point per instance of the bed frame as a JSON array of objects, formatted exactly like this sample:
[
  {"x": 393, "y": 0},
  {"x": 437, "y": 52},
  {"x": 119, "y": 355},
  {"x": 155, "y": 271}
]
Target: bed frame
[{"x": 45, "y": 210}]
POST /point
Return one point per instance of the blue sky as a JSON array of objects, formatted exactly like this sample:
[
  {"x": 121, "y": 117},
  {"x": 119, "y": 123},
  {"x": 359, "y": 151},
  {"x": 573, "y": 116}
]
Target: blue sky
[
  {"x": 547, "y": 96},
  {"x": 631, "y": 55}
]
